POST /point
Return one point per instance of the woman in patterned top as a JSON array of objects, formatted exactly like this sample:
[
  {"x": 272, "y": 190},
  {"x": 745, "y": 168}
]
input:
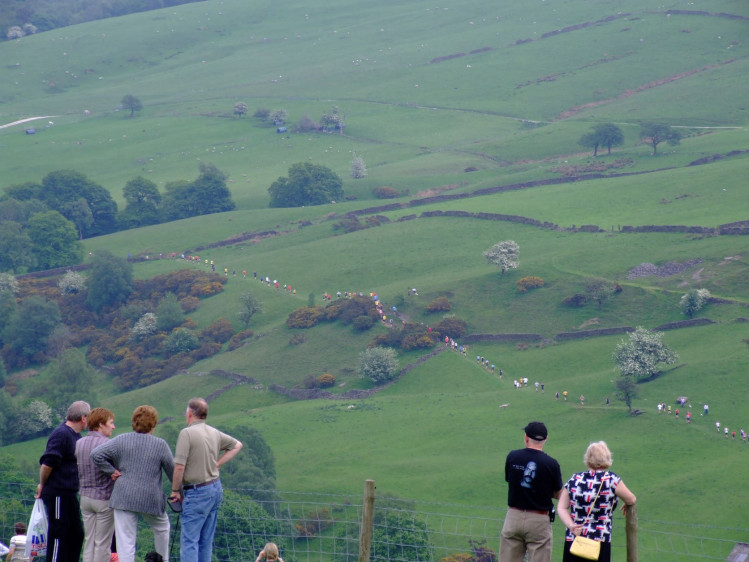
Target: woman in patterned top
[{"x": 579, "y": 498}]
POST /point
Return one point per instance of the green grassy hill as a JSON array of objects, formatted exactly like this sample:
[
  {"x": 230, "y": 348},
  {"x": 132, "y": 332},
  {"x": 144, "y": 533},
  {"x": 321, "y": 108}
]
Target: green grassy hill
[{"x": 429, "y": 93}]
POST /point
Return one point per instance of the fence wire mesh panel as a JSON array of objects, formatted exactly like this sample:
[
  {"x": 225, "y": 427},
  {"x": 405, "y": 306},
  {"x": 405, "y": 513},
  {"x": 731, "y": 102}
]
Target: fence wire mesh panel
[{"x": 326, "y": 527}]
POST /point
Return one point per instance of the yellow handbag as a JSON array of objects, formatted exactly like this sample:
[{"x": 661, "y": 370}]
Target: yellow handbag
[{"x": 583, "y": 547}]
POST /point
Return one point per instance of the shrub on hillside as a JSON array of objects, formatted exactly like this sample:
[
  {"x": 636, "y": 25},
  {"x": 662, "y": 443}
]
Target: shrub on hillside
[
  {"x": 530, "y": 282},
  {"x": 315, "y": 522},
  {"x": 189, "y": 304},
  {"x": 220, "y": 331},
  {"x": 416, "y": 341},
  {"x": 297, "y": 339},
  {"x": 238, "y": 339},
  {"x": 206, "y": 349},
  {"x": 440, "y": 304},
  {"x": 451, "y": 327},
  {"x": 181, "y": 340},
  {"x": 385, "y": 193},
  {"x": 575, "y": 301},
  {"x": 325, "y": 380},
  {"x": 347, "y": 310},
  {"x": 363, "y": 323},
  {"x": 305, "y": 317}
]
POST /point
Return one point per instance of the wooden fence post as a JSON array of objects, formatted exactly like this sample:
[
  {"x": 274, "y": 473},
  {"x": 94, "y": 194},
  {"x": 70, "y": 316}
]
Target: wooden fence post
[
  {"x": 365, "y": 534},
  {"x": 631, "y": 528}
]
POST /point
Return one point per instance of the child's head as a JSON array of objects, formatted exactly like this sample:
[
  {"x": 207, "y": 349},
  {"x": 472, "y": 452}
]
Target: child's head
[
  {"x": 271, "y": 552},
  {"x": 19, "y": 528}
]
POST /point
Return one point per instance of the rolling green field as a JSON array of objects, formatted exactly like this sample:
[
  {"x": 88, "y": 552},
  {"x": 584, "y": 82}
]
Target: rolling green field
[{"x": 428, "y": 94}]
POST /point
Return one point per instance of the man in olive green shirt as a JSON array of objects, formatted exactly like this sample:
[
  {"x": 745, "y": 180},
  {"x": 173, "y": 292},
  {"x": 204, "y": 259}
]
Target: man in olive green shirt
[{"x": 201, "y": 450}]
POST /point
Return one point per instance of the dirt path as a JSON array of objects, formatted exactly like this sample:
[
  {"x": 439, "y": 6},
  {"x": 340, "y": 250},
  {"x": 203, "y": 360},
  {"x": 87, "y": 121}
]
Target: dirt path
[{"x": 19, "y": 122}]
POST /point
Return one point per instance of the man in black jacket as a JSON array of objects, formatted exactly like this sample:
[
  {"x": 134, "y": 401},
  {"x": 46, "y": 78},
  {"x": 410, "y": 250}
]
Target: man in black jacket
[
  {"x": 534, "y": 478},
  {"x": 58, "y": 487}
]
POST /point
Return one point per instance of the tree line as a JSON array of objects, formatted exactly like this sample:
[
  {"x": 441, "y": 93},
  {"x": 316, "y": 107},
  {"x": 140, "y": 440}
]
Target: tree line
[
  {"x": 42, "y": 224},
  {"x": 607, "y": 135},
  {"x": 32, "y": 16}
]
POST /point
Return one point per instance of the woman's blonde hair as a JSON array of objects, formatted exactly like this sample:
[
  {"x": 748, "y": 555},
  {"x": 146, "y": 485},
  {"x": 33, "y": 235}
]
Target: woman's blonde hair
[
  {"x": 598, "y": 455},
  {"x": 271, "y": 552}
]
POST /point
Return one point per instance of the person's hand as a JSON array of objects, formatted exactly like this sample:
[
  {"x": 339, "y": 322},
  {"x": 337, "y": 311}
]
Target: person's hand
[
  {"x": 576, "y": 530},
  {"x": 175, "y": 497},
  {"x": 624, "y": 508},
  {"x": 38, "y": 491},
  {"x": 116, "y": 474}
]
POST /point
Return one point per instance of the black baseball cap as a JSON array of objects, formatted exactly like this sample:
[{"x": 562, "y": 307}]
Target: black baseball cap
[{"x": 536, "y": 430}]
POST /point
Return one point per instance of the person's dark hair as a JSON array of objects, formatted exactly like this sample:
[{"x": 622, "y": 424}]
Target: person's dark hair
[
  {"x": 198, "y": 407},
  {"x": 77, "y": 411},
  {"x": 145, "y": 419},
  {"x": 99, "y": 417},
  {"x": 19, "y": 528}
]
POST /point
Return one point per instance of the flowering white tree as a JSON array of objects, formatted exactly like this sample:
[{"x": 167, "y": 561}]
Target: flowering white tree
[
  {"x": 71, "y": 283},
  {"x": 277, "y": 116},
  {"x": 640, "y": 356},
  {"x": 378, "y": 364},
  {"x": 693, "y": 301},
  {"x": 145, "y": 326},
  {"x": 358, "y": 169},
  {"x": 240, "y": 108},
  {"x": 40, "y": 417},
  {"x": 504, "y": 255},
  {"x": 8, "y": 283}
]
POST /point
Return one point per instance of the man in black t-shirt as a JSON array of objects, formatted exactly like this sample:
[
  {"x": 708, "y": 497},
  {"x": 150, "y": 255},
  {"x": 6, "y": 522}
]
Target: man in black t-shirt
[
  {"x": 58, "y": 487},
  {"x": 534, "y": 478}
]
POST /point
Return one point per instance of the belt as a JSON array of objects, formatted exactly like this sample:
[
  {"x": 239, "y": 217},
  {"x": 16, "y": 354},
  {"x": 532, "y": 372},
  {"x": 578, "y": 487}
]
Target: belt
[
  {"x": 538, "y": 511},
  {"x": 194, "y": 486}
]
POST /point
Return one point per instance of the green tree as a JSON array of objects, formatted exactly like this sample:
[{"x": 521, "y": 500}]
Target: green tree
[
  {"x": 110, "y": 281},
  {"x": 400, "y": 535},
  {"x": 8, "y": 308},
  {"x": 655, "y": 133},
  {"x": 181, "y": 340},
  {"x": 79, "y": 213},
  {"x": 379, "y": 364},
  {"x": 80, "y": 200},
  {"x": 142, "y": 199},
  {"x": 169, "y": 313},
  {"x": 55, "y": 240},
  {"x": 132, "y": 103},
  {"x": 253, "y": 471},
  {"x": 600, "y": 290},
  {"x": 306, "y": 184},
  {"x": 604, "y": 134},
  {"x": 249, "y": 306},
  {"x": 643, "y": 353},
  {"x": 16, "y": 248},
  {"x": 626, "y": 390},
  {"x": 504, "y": 255},
  {"x": 693, "y": 301},
  {"x": 206, "y": 195},
  {"x": 72, "y": 378},
  {"x": 31, "y": 324}
]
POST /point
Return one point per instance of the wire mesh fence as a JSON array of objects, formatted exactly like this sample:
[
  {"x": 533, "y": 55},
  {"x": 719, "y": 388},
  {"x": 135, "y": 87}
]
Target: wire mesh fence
[{"x": 311, "y": 527}]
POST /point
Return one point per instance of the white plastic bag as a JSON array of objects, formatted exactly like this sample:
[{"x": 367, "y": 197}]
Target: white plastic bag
[
  {"x": 36, "y": 533},
  {"x": 3, "y": 550}
]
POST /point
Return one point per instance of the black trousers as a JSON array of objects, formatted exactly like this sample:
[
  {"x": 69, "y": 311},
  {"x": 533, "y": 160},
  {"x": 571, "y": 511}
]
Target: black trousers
[{"x": 65, "y": 533}]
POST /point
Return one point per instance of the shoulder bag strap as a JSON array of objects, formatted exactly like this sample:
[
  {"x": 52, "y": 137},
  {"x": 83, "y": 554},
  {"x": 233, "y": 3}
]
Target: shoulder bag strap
[{"x": 593, "y": 503}]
